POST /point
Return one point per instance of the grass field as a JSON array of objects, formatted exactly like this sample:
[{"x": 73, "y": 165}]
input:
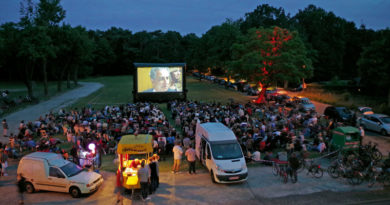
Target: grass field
[
  {"x": 118, "y": 90},
  {"x": 346, "y": 99}
]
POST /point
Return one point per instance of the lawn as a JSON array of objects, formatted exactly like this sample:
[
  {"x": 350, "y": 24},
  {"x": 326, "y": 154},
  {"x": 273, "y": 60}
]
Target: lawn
[
  {"x": 117, "y": 90},
  {"x": 318, "y": 93}
]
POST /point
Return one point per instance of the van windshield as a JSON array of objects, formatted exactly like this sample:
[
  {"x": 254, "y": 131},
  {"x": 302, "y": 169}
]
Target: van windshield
[
  {"x": 226, "y": 151},
  {"x": 71, "y": 169}
]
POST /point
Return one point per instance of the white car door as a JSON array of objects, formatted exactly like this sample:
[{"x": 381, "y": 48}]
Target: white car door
[{"x": 57, "y": 180}]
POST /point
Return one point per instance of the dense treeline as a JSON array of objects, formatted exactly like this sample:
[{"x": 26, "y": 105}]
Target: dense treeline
[{"x": 40, "y": 47}]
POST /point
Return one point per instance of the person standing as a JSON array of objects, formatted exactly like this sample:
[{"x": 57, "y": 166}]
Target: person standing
[
  {"x": 177, "y": 154},
  {"x": 144, "y": 178},
  {"x": 4, "y": 162},
  {"x": 293, "y": 163},
  {"x": 73, "y": 153},
  {"x": 361, "y": 130},
  {"x": 118, "y": 187},
  {"x": 191, "y": 158},
  {"x": 21, "y": 187},
  {"x": 154, "y": 179},
  {"x": 5, "y": 128}
]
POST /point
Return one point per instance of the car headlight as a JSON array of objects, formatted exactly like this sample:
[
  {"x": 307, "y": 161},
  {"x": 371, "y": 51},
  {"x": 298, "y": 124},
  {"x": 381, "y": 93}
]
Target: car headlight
[
  {"x": 243, "y": 166},
  {"x": 219, "y": 168}
]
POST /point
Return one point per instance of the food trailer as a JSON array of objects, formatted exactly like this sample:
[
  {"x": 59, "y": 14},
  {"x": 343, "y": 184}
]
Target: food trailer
[
  {"x": 346, "y": 138},
  {"x": 130, "y": 148}
]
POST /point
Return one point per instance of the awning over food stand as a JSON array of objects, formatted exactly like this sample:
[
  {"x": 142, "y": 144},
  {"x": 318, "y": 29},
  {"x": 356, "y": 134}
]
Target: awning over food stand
[{"x": 131, "y": 144}]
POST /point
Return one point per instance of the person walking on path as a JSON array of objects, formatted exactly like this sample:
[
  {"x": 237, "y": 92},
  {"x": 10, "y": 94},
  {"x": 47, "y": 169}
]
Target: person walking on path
[
  {"x": 191, "y": 158},
  {"x": 177, "y": 154},
  {"x": 118, "y": 187},
  {"x": 5, "y": 128},
  {"x": 4, "y": 162},
  {"x": 144, "y": 178},
  {"x": 21, "y": 187}
]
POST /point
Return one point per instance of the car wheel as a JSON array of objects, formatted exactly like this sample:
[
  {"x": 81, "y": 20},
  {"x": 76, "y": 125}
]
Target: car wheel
[
  {"x": 29, "y": 187},
  {"x": 75, "y": 192},
  {"x": 383, "y": 132}
]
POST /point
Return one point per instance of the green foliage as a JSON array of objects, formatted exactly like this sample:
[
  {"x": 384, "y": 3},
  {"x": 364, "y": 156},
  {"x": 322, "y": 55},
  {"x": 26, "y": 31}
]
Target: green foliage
[
  {"x": 326, "y": 34},
  {"x": 218, "y": 41},
  {"x": 374, "y": 63},
  {"x": 265, "y": 16},
  {"x": 49, "y": 13},
  {"x": 268, "y": 55}
]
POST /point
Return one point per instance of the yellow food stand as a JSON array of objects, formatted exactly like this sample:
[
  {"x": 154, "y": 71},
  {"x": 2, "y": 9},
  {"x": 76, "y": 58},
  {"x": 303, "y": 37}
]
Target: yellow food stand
[{"x": 133, "y": 145}]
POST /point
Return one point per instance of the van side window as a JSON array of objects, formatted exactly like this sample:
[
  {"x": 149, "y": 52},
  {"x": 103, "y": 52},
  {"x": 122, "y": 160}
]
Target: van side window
[{"x": 54, "y": 172}]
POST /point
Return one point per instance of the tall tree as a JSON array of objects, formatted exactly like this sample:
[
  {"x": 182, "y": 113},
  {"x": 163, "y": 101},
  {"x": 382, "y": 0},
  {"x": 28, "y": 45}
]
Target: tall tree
[
  {"x": 219, "y": 40},
  {"x": 267, "y": 55},
  {"x": 265, "y": 16},
  {"x": 326, "y": 34},
  {"x": 374, "y": 64},
  {"x": 189, "y": 42},
  {"x": 49, "y": 13}
]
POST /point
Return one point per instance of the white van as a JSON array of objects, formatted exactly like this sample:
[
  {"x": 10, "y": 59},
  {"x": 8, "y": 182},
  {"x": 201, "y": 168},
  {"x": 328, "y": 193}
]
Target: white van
[
  {"x": 218, "y": 150},
  {"x": 50, "y": 172}
]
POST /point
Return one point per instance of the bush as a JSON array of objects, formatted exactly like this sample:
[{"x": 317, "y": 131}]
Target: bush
[
  {"x": 346, "y": 96},
  {"x": 383, "y": 108}
]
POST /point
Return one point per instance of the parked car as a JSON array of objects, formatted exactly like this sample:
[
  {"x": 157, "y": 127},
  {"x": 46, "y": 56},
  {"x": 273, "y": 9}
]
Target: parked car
[
  {"x": 340, "y": 114},
  {"x": 364, "y": 111},
  {"x": 306, "y": 105},
  {"x": 50, "y": 172},
  {"x": 376, "y": 122}
]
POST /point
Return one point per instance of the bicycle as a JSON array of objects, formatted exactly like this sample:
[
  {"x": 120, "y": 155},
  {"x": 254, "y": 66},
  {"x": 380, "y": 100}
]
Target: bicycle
[
  {"x": 314, "y": 169},
  {"x": 380, "y": 176},
  {"x": 279, "y": 169},
  {"x": 339, "y": 168}
]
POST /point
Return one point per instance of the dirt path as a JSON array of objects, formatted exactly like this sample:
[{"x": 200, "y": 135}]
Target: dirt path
[{"x": 34, "y": 112}]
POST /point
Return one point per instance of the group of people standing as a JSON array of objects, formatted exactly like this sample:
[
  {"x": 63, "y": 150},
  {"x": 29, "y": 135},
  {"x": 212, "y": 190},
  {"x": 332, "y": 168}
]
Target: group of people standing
[{"x": 177, "y": 158}]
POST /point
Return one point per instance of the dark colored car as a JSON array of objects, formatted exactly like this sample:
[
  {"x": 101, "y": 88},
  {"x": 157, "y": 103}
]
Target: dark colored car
[{"x": 340, "y": 114}]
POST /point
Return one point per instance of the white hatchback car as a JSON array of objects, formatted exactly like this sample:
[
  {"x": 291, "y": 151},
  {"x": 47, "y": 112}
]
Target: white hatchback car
[{"x": 376, "y": 122}]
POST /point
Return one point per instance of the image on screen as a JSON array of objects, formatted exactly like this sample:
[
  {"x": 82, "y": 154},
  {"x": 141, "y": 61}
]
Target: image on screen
[{"x": 159, "y": 79}]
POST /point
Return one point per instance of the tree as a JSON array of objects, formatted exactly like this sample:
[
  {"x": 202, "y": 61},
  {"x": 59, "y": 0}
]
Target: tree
[
  {"x": 326, "y": 34},
  {"x": 268, "y": 55},
  {"x": 374, "y": 64},
  {"x": 218, "y": 42},
  {"x": 265, "y": 16},
  {"x": 49, "y": 13},
  {"x": 189, "y": 42}
]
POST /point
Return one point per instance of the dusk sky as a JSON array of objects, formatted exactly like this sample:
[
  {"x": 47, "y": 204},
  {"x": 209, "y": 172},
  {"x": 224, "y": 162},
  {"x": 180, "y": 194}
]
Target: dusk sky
[{"x": 195, "y": 16}]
